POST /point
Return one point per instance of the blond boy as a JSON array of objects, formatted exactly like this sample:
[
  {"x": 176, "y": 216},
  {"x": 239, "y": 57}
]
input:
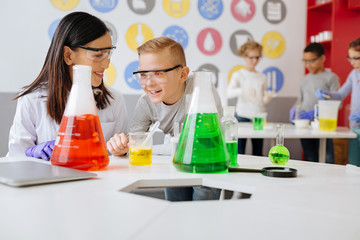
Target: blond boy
[{"x": 165, "y": 79}]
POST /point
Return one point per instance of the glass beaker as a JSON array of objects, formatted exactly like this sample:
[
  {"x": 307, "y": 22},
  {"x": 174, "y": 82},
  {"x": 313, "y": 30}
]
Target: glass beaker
[
  {"x": 229, "y": 125},
  {"x": 328, "y": 111},
  {"x": 80, "y": 142},
  {"x": 140, "y": 144},
  {"x": 202, "y": 148},
  {"x": 279, "y": 154}
]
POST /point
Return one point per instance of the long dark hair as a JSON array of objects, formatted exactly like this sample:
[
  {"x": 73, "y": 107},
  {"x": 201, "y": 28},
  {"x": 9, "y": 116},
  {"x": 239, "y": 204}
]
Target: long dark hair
[{"x": 75, "y": 29}]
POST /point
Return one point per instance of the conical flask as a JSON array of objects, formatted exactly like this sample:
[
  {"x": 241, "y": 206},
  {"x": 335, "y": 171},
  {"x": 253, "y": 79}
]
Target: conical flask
[
  {"x": 80, "y": 142},
  {"x": 201, "y": 148},
  {"x": 279, "y": 154},
  {"x": 229, "y": 125}
]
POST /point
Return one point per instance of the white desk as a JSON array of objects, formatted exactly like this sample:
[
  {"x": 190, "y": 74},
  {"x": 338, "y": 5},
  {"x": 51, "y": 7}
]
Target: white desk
[
  {"x": 321, "y": 203},
  {"x": 245, "y": 130}
]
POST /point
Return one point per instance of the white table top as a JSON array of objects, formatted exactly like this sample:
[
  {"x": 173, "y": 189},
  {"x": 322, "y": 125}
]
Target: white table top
[
  {"x": 321, "y": 203},
  {"x": 245, "y": 130}
]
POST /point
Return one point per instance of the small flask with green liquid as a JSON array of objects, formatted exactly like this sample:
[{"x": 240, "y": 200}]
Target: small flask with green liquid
[
  {"x": 279, "y": 154},
  {"x": 229, "y": 125}
]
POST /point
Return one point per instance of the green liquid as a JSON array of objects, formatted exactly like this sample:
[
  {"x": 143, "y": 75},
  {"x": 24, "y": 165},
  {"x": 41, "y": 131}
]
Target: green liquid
[
  {"x": 279, "y": 155},
  {"x": 258, "y": 123},
  {"x": 201, "y": 147},
  {"x": 232, "y": 148}
]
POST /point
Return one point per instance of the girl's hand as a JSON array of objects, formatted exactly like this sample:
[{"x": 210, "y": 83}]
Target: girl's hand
[
  {"x": 268, "y": 95},
  {"x": 118, "y": 144},
  {"x": 355, "y": 117}
]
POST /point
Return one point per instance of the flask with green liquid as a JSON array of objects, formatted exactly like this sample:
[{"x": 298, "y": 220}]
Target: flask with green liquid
[
  {"x": 229, "y": 125},
  {"x": 279, "y": 154},
  {"x": 201, "y": 147}
]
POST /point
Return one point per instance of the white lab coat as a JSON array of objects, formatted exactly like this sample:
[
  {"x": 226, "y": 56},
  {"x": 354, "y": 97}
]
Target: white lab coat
[{"x": 32, "y": 125}]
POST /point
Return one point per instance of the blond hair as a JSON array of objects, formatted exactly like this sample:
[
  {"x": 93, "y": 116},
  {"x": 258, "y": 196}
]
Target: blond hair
[
  {"x": 249, "y": 45},
  {"x": 162, "y": 43}
]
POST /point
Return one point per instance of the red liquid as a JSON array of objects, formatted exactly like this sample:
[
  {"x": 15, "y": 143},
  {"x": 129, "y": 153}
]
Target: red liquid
[{"x": 80, "y": 144}]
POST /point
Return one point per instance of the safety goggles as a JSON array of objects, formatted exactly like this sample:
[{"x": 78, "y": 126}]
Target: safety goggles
[
  {"x": 310, "y": 61},
  {"x": 351, "y": 59},
  {"x": 159, "y": 75},
  {"x": 98, "y": 54}
]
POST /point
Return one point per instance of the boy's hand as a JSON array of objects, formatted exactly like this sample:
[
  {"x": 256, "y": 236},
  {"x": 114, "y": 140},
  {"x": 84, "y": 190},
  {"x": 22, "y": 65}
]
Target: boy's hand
[
  {"x": 118, "y": 144},
  {"x": 322, "y": 94},
  {"x": 307, "y": 115},
  {"x": 292, "y": 114},
  {"x": 355, "y": 117}
]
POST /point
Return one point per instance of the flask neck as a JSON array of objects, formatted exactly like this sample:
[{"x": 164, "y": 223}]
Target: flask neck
[
  {"x": 202, "y": 99},
  {"x": 280, "y": 134},
  {"x": 81, "y": 98}
]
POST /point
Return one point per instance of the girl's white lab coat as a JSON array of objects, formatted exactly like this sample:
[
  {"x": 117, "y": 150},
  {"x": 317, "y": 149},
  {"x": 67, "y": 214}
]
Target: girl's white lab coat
[{"x": 32, "y": 125}]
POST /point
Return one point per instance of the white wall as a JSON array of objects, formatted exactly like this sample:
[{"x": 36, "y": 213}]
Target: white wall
[{"x": 24, "y": 38}]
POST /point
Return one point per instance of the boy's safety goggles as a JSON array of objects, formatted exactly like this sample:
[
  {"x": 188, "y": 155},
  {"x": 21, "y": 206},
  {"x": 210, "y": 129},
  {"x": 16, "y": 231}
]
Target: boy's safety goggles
[
  {"x": 98, "y": 54},
  {"x": 142, "y": 76}
]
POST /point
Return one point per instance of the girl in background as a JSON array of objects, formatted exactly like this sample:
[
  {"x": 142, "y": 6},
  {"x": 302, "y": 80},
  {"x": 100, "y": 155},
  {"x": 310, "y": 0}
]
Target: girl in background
[
  {"x": 352, "y": 84},
  {"x": 80, "y": 39},
  {"x": 249, "y": 86}
]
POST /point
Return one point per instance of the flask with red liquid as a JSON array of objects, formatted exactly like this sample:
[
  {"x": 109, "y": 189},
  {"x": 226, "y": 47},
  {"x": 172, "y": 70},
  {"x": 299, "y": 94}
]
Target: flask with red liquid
[{"x": 80, "y": 142}]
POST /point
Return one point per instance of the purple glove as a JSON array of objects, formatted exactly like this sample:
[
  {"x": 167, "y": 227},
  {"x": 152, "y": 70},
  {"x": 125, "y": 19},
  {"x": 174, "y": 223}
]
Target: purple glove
[
  {"x": 322, "y": 94},
  {"x": 355, "y": 117},
  {"x": 307, "y": 115},
  {"x": 292, "y": 114},
  {"x": 42, "y": 150}
]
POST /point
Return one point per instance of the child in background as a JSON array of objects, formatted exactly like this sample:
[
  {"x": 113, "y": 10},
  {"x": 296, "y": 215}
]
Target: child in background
[
  {"x": 249, "y": 86},
  {"x": 352, "y": 84},
  {"x": 80, "y": 39},
  {"x": 163, "y": 75},
  {"x": 318, "y": 77}
]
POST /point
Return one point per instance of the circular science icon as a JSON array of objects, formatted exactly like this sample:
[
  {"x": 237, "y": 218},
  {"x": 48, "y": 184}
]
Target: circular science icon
[
  {"x": 274, "y": 11},
  {"x": 137, "y": 34},
  {"x": 112, "y": 31},
  {"x": 65, "y": 4},
  {"x": 53, "y": 27},
  {"x": 238, "y": 38},
  {"x": 178, "y": 34},
  {"x": 129, "y": 79},
  {"x": 141, "y": 6},
  {"x": 176, "y": 8},
  {"x": 273, "y": 44},
  {"x": 234, "y": 69},
  {"x": 243, "y": 10},
  {"x": 110, "y": 75},
  {"x": 209, "y": 41},
  {"x": 275, "y": 79},
  {"x": 103, "y": 6},
  {"x": 210, "y": 9},
  {"x": 211, "y": 68}
]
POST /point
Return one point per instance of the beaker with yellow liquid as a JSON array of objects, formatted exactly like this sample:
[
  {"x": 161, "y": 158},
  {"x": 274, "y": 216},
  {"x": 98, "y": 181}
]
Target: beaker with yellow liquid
[
  {"x": 140, "y": 153},
  {"x": 328, "y": 112},
  {"x": 80, "y": 142},
  {"x": 202, "y": 147}
]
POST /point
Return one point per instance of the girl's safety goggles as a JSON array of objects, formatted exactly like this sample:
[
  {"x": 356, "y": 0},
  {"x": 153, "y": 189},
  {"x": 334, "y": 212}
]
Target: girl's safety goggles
[{"x": 98, "y": 54}]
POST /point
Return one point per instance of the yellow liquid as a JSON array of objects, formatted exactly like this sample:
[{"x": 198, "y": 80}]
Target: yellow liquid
[
  {"x": 327, "y": 124},
  {"x": 140, "y": 156}
]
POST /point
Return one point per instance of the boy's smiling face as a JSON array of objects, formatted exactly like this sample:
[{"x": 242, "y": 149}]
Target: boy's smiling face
[{"x": 164, "y": 87}]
